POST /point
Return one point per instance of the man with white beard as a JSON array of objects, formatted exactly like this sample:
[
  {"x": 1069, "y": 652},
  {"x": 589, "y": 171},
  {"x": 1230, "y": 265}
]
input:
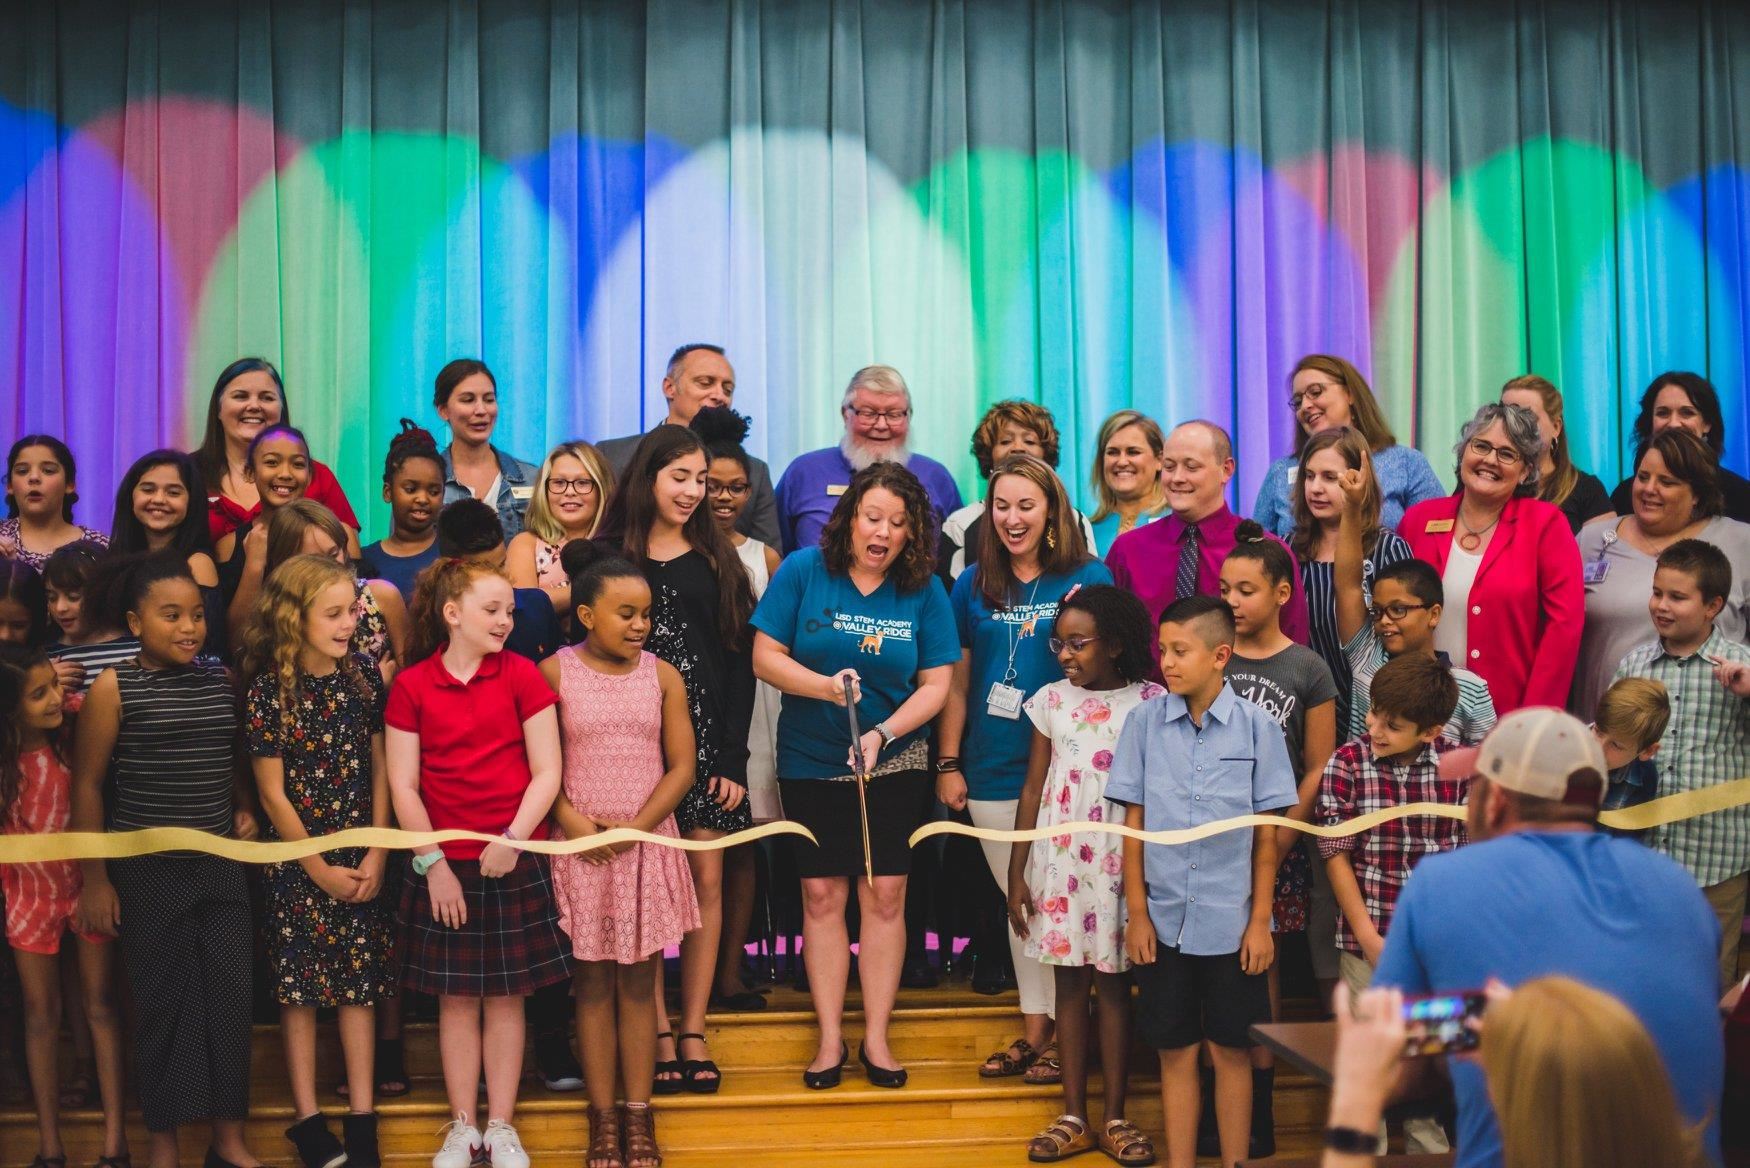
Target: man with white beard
[{"x": 877, "y": 413}]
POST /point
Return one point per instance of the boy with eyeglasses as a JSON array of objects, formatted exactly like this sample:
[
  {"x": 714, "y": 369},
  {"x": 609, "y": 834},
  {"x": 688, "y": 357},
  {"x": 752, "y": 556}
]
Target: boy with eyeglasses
[{"x": 1400, "y": 621}]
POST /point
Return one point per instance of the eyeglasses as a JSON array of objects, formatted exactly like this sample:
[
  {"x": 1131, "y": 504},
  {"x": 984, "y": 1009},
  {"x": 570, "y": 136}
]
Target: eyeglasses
[
  {"x": 732, "y": 490},
  {"x": 1074, "y": 644},
  {"x": 583, "y": 487},
  {"x": 1505, "y": 455},
  {"x": 1396, "y": 611},
  {"x": 869, "y": 417},
  {"x": 1317, "y": 389}
]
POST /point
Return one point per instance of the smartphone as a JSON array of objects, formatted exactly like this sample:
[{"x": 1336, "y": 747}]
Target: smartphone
[{"x": 1442, "y": 1023}]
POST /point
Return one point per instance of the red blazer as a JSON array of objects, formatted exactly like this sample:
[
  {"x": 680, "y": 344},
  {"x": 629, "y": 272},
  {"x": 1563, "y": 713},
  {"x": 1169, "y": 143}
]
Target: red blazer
[{"x": 1528, "y": 603}]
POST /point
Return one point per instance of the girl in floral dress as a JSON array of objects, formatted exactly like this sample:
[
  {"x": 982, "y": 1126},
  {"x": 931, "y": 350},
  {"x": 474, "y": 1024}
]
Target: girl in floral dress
[
  {"x": 1066, "y": 893},
  {"x": 314, "y": 724}
]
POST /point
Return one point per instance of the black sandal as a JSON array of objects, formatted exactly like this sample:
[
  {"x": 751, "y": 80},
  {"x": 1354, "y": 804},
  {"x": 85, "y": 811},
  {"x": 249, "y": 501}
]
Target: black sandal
[
  {"x": 660, "y": 1085},
  {"x": 43, "y": 1161},
  {"x": 700, "y": 1076}
]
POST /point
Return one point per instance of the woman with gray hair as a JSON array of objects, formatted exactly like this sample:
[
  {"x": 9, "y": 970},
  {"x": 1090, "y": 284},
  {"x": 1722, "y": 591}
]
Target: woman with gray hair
[{"x": 1514, "y": 603}]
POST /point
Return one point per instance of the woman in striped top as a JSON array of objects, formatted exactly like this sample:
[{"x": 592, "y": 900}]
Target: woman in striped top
[
  {"x": 1318, "y": 509},
  {"x": 163, "y": 729}
]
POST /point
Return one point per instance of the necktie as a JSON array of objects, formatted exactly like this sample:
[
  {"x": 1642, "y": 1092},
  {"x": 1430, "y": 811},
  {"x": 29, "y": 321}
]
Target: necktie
[{"x": 1185, "y": 575}]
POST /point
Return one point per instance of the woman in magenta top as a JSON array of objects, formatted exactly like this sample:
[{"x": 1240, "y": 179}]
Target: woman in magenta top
[
  {"x": 247, "y": 397},
  {"x": 1509, "y": 564}
]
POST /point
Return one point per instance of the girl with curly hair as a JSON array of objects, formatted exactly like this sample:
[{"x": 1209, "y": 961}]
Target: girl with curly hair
[{"x": 313, "y": 720}]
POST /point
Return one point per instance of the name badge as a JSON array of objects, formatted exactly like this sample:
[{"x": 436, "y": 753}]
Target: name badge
[
  {"x": 523, "y": 494},
  {"x": 1004, "y": 701},
  {"x": 834, "y": 490},
  {"x": 1438, "y": 525},
  {"x": 1293, "y": 475},
  {"x": 1594, "y": 571}
]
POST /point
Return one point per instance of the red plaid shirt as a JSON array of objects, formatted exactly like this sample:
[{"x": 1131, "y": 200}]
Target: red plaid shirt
[{"x": 1356, "y": 783}]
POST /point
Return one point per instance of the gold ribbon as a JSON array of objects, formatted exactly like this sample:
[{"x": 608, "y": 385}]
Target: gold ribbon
[
  {"x": 119, "y": 845},
  {"x": 1655, "y": 813},
  {"x": 22, "y": 849}
]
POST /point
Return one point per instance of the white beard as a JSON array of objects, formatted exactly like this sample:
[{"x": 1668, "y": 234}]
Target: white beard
[{"x": 862, "y": 458}]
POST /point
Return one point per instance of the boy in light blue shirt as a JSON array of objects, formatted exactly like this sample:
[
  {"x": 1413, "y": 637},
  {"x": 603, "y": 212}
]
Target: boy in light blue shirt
[{"x": 1199, "y": 913}]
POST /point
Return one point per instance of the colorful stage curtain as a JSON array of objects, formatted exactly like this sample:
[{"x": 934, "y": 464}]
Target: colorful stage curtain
[{"x": 1090, "y": 204}]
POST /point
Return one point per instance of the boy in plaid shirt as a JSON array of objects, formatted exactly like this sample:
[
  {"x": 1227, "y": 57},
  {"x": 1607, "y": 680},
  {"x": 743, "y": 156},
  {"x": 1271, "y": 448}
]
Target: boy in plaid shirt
[
  {"x": 1396, "y": 762},
  {"x": 1707, "y": 740}
]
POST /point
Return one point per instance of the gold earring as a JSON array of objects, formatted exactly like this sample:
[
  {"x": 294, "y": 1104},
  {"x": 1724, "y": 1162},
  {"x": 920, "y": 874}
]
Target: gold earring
[{"x": 1051, "y": 538}]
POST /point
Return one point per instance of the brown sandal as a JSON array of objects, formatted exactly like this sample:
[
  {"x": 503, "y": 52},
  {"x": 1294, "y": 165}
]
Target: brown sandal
[
  {"x": 641, "y": 1149},
  {"x": 1067, "y": 1136},
  {"x": 1046, "y": 1070},
  {"x": 1125, "y": 1143},
  {"x": 1012, "y": 1060},
  {"x": 604, "y": 1139}
]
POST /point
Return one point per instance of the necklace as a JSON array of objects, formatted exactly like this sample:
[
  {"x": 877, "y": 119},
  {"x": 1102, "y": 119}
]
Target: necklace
[{"x": 1472, "y": 538}]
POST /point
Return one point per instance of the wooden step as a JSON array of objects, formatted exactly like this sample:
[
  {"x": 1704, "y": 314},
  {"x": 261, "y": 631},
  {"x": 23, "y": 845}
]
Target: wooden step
[{"x": 946, "y": 1115}]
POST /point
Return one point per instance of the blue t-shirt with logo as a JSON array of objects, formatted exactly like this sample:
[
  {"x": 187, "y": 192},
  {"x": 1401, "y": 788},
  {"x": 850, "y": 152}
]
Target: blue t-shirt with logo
[
  {"x": 1604, "y": 911},
  {"x": 829, "y": 625},
  {"x": 993, "y": 753}
]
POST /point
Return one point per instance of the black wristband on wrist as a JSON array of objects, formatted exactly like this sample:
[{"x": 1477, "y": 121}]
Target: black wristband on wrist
[
  {"x": 948, "y": 763},
  {"x": 1351, "y": 1141}
]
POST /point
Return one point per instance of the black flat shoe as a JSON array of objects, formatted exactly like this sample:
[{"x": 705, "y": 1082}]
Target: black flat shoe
[
  {"x": 831, "y": 1076},
  {"x": 880, "y": 1076}
]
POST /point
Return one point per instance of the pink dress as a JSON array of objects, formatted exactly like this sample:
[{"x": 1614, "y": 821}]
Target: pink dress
[{"x": 643, "y": 901}]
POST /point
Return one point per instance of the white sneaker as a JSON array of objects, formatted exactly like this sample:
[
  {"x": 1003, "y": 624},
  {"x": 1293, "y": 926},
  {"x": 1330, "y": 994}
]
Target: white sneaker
[
  {"x": 504, "y": 1146},
  {"x": 462, "y": 1146}
]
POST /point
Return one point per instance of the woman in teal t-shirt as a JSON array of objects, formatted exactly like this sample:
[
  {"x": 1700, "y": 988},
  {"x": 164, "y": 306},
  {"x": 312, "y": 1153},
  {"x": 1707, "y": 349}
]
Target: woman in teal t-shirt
[
  {"x": 1033, "y": 554},
  {"x": 864, "y": 605}
]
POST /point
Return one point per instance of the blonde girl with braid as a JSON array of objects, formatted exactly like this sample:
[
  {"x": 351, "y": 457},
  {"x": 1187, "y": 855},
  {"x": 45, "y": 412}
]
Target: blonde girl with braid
[{"x": 313, "y": 722}]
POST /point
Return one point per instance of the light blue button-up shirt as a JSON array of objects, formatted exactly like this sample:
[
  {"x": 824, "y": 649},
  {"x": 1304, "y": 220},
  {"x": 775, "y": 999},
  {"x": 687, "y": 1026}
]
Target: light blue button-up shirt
[{"x": 1185, "y": 775}]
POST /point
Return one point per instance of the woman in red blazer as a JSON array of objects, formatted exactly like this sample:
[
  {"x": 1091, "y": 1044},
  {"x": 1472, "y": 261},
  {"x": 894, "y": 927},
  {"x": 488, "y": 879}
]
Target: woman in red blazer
[{"x": 1515, "y": 603}]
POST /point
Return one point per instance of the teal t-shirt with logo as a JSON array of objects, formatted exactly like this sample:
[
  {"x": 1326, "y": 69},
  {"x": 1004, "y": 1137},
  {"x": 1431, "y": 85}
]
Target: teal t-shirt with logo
[
  {"x": 829, "y": 625},
  {"x": 993, "y": 753}
]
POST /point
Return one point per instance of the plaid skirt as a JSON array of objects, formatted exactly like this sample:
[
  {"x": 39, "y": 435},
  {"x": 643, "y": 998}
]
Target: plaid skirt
[{"x": 510, "y": 946}]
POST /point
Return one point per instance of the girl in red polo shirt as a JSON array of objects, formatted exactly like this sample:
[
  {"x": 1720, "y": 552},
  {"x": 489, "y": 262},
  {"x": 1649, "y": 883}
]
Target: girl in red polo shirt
[{"x": 473, "y": 743}]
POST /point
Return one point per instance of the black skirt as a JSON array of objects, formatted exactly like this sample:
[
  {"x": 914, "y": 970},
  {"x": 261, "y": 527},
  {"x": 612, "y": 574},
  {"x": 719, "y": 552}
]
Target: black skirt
[{"x": 898, "y": 803}]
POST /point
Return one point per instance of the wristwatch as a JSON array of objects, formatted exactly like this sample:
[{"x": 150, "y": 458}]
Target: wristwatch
[
  {"x": 886, "y": 734},
  {"x": 426, "y": 861},
  {"x": 1351, "y": 1141}
]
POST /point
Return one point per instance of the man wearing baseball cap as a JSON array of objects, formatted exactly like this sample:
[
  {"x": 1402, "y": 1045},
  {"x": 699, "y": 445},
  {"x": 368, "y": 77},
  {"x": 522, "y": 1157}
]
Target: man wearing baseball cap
[{"x": 1540, "y": 891}]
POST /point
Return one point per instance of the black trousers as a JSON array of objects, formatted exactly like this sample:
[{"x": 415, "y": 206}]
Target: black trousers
[{"x": 186, "y": 941}]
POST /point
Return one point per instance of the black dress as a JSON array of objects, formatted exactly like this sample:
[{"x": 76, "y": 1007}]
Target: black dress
[
  {"x": 1586, "y": 501},
  {"x": 718, "y": 677},
  {"x": 322, "y": 951}
]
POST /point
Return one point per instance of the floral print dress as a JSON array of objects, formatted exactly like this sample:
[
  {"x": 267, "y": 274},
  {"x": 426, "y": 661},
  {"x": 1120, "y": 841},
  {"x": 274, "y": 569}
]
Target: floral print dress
[
  {"x": 1077, "y": 881},
  {"x": 321, "y": 951}
]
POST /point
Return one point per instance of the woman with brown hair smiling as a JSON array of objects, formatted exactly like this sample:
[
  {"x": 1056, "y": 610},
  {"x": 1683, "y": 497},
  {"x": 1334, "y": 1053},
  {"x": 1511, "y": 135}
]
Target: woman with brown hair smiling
[{"x": 863, "y": 608}]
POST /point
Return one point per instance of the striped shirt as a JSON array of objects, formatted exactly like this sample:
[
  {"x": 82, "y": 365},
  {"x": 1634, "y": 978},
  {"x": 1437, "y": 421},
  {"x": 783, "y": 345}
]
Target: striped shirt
[
  {"x": 1318, "y": 578},
  {"x": 175, "y": 749},
  {"x": 96, "y": 656},
  {"x": 1473, "y": 717},
  {"x": 1707, "y": 742},
  {"x": 39, "y": 896}
]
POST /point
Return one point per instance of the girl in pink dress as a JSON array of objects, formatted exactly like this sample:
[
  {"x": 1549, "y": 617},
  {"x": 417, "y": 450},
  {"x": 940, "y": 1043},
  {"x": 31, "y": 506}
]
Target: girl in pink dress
[{"x": 629, "y": 757}]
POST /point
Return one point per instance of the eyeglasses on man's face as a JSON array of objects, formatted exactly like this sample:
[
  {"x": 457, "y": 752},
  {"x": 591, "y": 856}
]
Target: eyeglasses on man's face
[{"x": 869, "y": 416}]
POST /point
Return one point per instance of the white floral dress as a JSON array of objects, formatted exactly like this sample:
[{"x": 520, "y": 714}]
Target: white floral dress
[{"x": 1077, "y": 882}]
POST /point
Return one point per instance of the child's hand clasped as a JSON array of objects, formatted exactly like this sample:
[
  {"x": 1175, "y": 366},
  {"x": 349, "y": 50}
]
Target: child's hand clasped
[{"x": 499, "y": 859}]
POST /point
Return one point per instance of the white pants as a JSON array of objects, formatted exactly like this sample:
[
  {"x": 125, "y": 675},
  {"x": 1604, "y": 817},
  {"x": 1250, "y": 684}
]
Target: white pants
[{"x": 1037, "y": 983}]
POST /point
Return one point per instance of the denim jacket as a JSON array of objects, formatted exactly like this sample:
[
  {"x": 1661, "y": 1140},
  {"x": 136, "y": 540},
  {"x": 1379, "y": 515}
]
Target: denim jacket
[{"x": 513, "y": 495}]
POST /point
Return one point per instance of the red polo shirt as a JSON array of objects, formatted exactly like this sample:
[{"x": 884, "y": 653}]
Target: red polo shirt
[{"x": 473, "y": 767}]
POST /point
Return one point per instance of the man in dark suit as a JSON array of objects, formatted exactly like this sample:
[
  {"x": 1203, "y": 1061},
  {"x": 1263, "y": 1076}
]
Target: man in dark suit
[{"x": 700, "y": 375}]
